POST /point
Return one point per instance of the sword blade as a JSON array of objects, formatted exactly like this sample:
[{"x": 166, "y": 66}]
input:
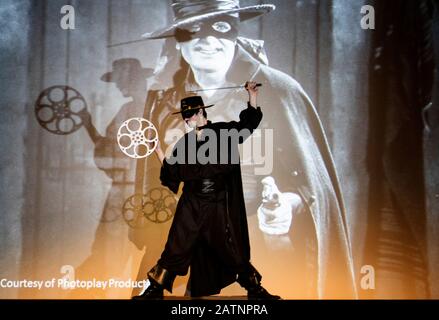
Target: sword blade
[{"x": 224, "y": 88}]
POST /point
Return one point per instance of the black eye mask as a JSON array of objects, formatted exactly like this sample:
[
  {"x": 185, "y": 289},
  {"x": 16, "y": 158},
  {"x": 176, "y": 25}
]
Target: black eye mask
[
  {"x": 223, "y": 28},
  {"x": 189, "y": 113}
]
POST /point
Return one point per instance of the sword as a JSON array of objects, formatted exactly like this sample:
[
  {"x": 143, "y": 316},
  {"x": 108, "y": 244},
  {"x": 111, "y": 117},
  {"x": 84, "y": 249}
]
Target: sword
[
  {"x": 132, "y": 41},
  {"x": 225, "y": 88}
]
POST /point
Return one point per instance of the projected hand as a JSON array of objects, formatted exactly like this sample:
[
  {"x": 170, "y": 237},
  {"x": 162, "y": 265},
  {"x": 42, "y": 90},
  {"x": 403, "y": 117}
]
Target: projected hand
[{"x": 276, "y": 210}]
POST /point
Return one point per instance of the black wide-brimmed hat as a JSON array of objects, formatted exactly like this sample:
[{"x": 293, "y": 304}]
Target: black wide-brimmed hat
[
  {"x": 125, "y": 68},
  {"x": 192, "y": 103},
  {"x": 187, "y": 12}
]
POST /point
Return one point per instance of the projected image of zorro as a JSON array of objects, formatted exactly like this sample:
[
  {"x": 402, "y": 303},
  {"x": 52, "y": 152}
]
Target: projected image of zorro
[
  {"x": 209, "y": 232},
  {"x": 292, "y": 194}
]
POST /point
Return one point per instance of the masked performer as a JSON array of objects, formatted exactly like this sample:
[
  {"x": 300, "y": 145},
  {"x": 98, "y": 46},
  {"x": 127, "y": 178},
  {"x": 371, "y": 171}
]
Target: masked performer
[{"x": 209, "y": 231}]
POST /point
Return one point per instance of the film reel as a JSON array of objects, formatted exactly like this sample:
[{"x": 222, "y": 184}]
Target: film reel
[
  {"x": 58, "y": 109},
  {"x": 157, "y": 206},
  {"x": 160, "y": 205},
  {"x": 137, "y": 138}
]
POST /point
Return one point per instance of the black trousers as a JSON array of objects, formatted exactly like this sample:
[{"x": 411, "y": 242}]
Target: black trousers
[{"x": 199, "y": 218}]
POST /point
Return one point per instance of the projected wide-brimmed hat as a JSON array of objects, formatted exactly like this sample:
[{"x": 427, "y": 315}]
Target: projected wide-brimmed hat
[
  {"x": 192, "y": 103},
  {"x": 125, "y": 68},
  {"x": 187, "y": 12}
]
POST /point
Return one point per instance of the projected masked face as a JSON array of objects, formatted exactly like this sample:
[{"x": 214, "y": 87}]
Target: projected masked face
[{"x": 209, "y": 45}]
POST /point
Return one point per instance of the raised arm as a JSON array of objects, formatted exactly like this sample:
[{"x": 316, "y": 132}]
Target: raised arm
[
  {"x": 250, "y": 117},
  {"x": 252, "y": 90}
]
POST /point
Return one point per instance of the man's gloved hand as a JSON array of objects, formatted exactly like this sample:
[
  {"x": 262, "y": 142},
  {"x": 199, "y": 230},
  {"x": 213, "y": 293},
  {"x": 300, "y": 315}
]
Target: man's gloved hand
[{"x": 276, "y": 210}]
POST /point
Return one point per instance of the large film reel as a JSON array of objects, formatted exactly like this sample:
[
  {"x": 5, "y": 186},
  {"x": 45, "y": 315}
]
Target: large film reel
[
  {"x": 58, "y": 109},
  {"x": 137, "y": 138},
  {"x": 157, "y": 206}
]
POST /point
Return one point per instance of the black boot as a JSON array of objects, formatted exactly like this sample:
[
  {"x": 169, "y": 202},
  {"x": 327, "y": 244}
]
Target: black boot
[
  {"x": 160, "y": 279},
  {"x": 153, "y": 292},
  {"x": 251, "y": 281},
  {"x": 260, "y": 293}
]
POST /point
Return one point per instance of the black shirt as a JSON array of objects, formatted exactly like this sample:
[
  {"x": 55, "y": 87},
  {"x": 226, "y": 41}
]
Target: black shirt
[{"x": 216, "y": 152}]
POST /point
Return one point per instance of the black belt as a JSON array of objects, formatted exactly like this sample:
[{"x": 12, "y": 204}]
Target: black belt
[{"x": 208, "y": 185}]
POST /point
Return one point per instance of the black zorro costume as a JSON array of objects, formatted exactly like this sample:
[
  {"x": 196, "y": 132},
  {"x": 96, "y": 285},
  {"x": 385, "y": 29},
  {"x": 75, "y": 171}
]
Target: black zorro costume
[
  {"x": 320, "y": 264},
  {"x": 209, "y": 232}
]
